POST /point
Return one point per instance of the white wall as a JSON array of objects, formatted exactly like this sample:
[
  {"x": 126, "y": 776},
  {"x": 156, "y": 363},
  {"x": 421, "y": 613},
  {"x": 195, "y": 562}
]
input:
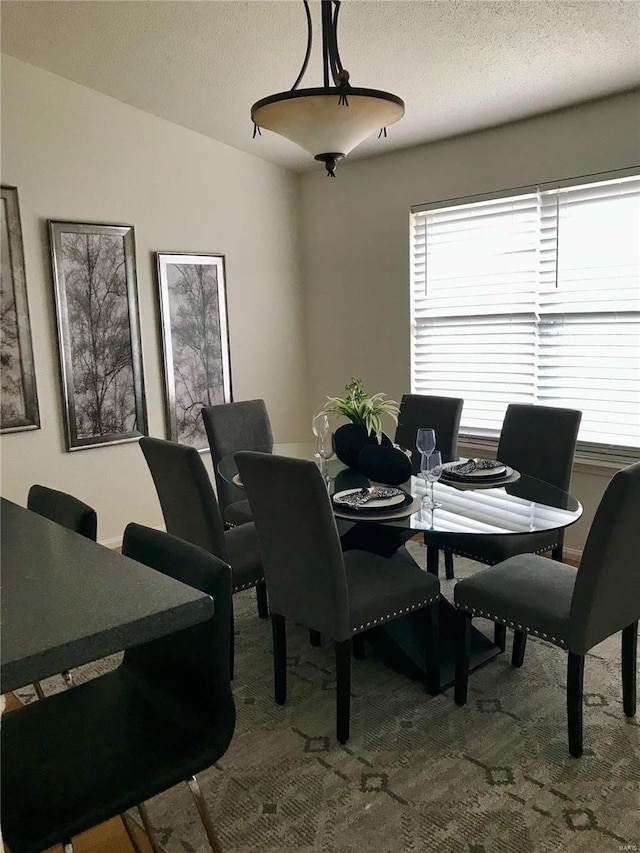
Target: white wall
[
  {"x": 77, "y": 155},
  {"x": 356, "y": 239}
]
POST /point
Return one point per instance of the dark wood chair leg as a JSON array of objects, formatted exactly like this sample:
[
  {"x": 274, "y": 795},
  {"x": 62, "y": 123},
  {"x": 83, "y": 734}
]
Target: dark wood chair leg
[
  {"x": 448, "y": 565},
  {"x": 433, "y": 555},
  {"x": 556, "y": 553},
  {"x": 432, "y": 650},
  {"x": 279, "y": 630},
  {"x": 500, "y": 636},
  {"x": 575, "y": 678},
  {"x": 357, "y": 644},
  {"x": 262, "y": 600},
  {"x": 315, "y": 637},
  {"x": 232, "y": 644},
  {"x": 343, "y": 689},
  {"x": 519, "y": 645},
  {"x": 462, "y": 646},
  {"x": 629, "y": 666}
]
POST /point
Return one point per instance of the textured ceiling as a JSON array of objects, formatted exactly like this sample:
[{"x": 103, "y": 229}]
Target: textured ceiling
[{"x": 459, "y": 66}]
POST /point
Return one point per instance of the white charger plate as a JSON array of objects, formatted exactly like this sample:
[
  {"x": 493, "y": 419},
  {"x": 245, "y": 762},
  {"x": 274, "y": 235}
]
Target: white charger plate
[{"x": 373, "y": 504}]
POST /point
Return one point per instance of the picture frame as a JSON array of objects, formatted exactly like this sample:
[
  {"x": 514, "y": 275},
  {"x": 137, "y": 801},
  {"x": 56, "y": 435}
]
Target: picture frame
[
  {"x": 195, "y": 340},
  {"x": 19, "y": 398},
  {"x": 96, "y": 300}
]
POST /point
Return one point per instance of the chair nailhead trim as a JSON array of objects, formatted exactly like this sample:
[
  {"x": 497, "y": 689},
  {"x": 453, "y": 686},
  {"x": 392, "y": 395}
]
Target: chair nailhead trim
[
  {"x": 246, "y": 585},
  {"x": 525, "y": 628},
  {"x": 402, "y": 610}
]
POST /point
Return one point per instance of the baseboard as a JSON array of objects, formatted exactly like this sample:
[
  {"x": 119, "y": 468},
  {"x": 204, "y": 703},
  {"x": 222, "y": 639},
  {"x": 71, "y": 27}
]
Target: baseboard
[{"x": 116, "y": 543}]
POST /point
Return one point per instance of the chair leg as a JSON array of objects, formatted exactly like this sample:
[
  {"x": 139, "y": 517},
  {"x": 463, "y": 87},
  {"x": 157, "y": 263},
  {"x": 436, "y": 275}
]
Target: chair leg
[
  {"x": 433, "y": 555},
  {"x": 519, "y": 645},
  {"x": 575, "y": 679},
  {"x": 357, "y": 644},
  {"x": 448, "y": 565},
  {"x": 39, "y": 692},
  {"x": 500, "y": 636},
  {"x": 343, "y": 689},
  {"x": 629, "y": 665},
  {"x": 556, "y": 553},
  {"x": 205, "y": 817},
  {"x": 130, "y": 833},
  {"x": 261, "y": 598},
  {"x": 148, "y": 828},
  {"x": 432, "y": 644},
  {"x": 232, "y": 644},
  {"x": 315, "y": 637},
  {"x": 462, "y": 650},
  {"x": 279, "y": 631}
]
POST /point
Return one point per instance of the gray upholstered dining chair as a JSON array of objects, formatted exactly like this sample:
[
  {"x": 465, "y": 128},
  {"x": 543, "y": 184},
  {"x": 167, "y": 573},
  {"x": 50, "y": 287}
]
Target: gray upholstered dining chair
[
  {"x": 442, "y": 414},
  {"x": 539, "y": 441},
  {"x": 191, "y": 512},
  {"x": 311, "y": 582},
  {"x": 243, "y": 425},
  {"x": 71, "y": 513},
  {"x": 574, "y": 609}
]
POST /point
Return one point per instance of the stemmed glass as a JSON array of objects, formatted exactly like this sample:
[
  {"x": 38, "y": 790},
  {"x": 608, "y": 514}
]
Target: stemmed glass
[
  {"x": 426, "y": 440},
  {"x": 324, "y": 442},
  {"x": 431, "y": 470}
]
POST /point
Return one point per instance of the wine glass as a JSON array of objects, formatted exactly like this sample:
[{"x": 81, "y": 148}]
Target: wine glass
[
  {"x": 324, "y": 441},
  {"x": 426, "y": 440},
  {"x": 431, "y": 470}
]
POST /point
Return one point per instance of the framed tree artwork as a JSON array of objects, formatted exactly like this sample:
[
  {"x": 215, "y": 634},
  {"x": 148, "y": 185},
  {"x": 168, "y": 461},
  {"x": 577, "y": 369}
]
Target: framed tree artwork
[
  {"x": 195, "y": 338},
  {"x": 94, "y": 272},
  {"x": 18, "y": 398}
]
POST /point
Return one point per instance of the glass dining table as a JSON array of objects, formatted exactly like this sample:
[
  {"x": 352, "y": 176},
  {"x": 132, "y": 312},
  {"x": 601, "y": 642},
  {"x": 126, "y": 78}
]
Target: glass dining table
[{"x": 514, "y": 504}]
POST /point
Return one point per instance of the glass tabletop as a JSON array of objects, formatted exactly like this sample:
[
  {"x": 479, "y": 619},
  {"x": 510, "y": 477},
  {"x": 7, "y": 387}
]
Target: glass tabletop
[{"x": 525, "y": 506}]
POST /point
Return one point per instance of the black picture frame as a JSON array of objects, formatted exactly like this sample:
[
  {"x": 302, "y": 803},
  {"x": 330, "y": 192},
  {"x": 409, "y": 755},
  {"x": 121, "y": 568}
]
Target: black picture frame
[
  {"x": 94, "y": 274},
  {"x": 19, "y": 398},
  {"x": 195, "y": 340}
]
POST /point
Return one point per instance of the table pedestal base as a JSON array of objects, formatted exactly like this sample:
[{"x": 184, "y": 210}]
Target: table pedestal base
[{"x": 401, "y": 644}]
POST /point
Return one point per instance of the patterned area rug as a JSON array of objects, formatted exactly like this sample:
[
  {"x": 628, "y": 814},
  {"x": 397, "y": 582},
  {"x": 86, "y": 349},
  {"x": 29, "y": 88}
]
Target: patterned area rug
[{"x": 419, "y": 774}]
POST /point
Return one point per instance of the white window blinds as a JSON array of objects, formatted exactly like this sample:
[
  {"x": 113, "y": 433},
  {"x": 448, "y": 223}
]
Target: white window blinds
[{"x": 533, "y": 298}]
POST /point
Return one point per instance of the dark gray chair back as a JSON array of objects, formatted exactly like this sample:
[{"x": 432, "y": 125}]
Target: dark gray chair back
[
  {"x": 188, "y": 502},
  {"x": 64, "y": 509},
  {"x": 299, "y": 543},
  {"x": 235, "y": 426},
  {"x": 606, "y": 597},
  {"x": 442, "y": 414},
  {"x": 540, "y": 441}
]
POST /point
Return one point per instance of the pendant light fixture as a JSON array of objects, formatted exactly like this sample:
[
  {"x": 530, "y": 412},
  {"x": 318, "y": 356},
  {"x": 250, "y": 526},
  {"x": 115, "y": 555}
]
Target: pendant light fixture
[{"x": 328, "y": 121}]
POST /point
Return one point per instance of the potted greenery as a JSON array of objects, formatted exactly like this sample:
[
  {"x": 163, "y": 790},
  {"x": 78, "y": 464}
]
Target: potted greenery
[{"x": 365, "y": 413}]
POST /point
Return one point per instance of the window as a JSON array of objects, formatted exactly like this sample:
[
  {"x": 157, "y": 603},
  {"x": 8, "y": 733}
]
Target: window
[{"x": 533, "y": 298}]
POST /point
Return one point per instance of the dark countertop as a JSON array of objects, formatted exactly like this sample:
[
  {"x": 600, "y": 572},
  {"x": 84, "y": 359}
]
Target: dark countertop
[{"x": 67, "y": 600}]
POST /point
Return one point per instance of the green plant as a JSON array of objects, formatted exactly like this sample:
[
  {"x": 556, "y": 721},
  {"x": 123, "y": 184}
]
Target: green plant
[{"x": 361, "y": 408}]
